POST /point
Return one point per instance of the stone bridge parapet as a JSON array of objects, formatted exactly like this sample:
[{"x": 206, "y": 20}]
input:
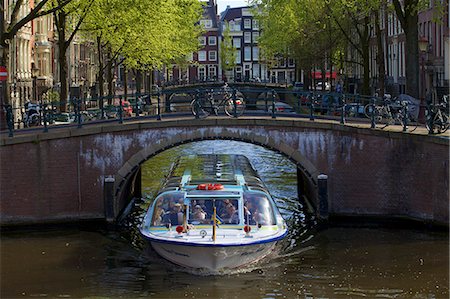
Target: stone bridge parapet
[{"x": 60, "y": 175}]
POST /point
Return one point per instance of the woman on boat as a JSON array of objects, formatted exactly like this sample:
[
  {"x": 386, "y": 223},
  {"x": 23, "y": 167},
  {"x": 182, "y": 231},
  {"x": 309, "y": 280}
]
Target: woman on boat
[{"x": 198, "y": 213}]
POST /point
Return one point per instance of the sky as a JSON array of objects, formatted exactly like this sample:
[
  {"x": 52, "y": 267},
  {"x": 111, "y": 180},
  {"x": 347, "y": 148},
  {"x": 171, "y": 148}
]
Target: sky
[{"x": 222, "y": 4}]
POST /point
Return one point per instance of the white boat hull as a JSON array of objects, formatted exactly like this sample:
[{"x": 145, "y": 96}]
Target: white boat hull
[{"x": 213, "y": 258}]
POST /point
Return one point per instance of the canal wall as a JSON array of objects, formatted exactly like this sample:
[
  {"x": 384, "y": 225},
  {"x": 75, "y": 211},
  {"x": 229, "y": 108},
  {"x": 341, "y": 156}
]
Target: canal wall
[{"x": 60, "y": 175}]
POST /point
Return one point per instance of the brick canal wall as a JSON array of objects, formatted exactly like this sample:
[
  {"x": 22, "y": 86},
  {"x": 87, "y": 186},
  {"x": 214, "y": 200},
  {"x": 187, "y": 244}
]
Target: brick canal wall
[{"x": 59, "y": 176}]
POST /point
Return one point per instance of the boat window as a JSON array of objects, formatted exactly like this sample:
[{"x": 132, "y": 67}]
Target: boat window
[
  {"x": 168, "y": 209},
  {"x": 257, "y": 209},
  {"x": 201, "y": 211}
]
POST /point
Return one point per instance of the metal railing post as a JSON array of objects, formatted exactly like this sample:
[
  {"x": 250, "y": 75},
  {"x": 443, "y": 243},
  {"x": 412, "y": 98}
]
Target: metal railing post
[
  {"x": 136, "y": 104},
  {"x": 234, "y": 103},
  {"x": 429, "y": 118},
  {"x": 372, "y": 114},
  {"x": 405, "y": 115},
  {"x": 10, "y": 120},
  {"x": 311, "y": 107},
  {"x": 102, "y": 107},
  {"x": 265, "y": 99},
  {"x": 343, "y": 110},
  {"x": 120, "y": 110},
  {"x": 273, "y": 104},
  {"x": 44, "y": 115},
  {"x": 158, "y": 107}
]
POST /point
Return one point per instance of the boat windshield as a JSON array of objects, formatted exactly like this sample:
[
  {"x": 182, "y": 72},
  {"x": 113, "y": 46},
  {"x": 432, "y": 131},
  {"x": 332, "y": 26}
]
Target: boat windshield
[
  {"x": 257, "y": 209},
  {"x": 202, "y": 210},
  {"x": 168, "y": 209}
]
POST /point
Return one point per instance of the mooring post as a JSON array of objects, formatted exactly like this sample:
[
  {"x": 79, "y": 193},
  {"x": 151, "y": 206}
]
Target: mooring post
[
  {"x": 322, "y": 184},
  {"x": 108, "y": 194}
]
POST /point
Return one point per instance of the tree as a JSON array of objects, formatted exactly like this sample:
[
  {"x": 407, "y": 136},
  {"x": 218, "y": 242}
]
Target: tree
[
  {"x": 10, "y": 28},
  {"x": 304, "y": 32},
  {"x": 227, "y": 52},
  {"x": 143, "y": 34},
  {"x": 68, "y": 21},
  {"x": 407, "y": 12}
]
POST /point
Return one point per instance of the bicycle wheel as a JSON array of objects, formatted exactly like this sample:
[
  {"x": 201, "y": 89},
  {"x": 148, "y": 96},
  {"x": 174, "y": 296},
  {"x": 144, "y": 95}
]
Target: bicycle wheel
[
  {"x": 229, "y": 107},
  {"x": 200, "y": 108},
  {"x": 33, "y": 120},
  {"x": 445, "y": 123}
]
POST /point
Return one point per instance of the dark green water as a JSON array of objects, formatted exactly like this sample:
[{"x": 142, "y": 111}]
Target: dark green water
[{"x": 332, "y": 263}]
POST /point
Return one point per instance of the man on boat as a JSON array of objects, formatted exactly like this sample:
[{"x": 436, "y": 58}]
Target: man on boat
[{"x": 175, "y": 216}]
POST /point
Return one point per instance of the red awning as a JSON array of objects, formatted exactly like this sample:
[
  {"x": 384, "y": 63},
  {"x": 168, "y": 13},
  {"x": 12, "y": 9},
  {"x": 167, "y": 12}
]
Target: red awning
[{"x": 318, "y": 75}]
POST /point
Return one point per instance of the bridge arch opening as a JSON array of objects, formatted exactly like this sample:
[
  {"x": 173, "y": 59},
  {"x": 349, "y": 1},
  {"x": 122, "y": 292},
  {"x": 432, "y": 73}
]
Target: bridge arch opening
[{"x": 128, "y": 179}]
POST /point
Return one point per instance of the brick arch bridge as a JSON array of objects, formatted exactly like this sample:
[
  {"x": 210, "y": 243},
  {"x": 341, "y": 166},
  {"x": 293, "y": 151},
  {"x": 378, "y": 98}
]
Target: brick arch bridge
[{"x": 65, "y": 175}]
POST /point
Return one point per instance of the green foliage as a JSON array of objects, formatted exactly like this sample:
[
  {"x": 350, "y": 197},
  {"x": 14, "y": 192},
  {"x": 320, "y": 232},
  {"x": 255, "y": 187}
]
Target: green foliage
[
  {"x": 146, "y": 32},
  {"x": 227, "y": 50}
]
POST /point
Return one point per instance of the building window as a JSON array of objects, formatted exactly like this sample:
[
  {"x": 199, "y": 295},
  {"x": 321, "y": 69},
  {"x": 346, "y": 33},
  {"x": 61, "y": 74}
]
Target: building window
[
  {"x": 206, "y": 23},
  {"x": 238, "y": 57},
  {"x": 201, "y": 55},
  {"x": 291, "y": 62},
  {"x": 255, "y": 37},
  {"x": 212, "y": 55},
  {"x": 255, "y": 24},
  {"x": 190, "y": 57},
  {"x": 212, "y": 41},
  {"x": 255, "y": 53},
  {"x": 247, "y": 23},
  {"x": 202, "y": 40},
  {"x": 212, "y": 72},
  {"x": 201, "y": 73},
  {"x": 237, "y": 42},
  {"x": 237, "y": 25},
  {"x": 247, "y": 37},
  {"x": 247, "y": 53}
]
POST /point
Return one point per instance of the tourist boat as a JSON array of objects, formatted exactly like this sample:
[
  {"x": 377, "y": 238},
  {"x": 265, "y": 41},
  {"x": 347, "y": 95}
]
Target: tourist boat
[{"x": 214, "y": 213}]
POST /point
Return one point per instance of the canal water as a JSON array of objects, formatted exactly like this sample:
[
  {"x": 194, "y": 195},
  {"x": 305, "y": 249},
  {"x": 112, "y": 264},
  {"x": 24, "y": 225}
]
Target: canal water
[{"x": 340, "y": 262}]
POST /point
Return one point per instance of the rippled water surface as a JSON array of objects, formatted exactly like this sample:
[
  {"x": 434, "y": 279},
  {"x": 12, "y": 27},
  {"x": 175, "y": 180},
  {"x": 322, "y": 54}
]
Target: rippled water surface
[{"x": 92, "y": 262}]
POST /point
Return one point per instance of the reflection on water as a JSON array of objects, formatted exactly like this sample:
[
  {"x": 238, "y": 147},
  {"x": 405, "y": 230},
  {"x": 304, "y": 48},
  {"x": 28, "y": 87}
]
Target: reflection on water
[{"x": 333, "y": 263}]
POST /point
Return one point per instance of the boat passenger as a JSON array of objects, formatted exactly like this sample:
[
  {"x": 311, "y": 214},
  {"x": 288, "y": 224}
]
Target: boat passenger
[
  {"x": 175, "y": 216},
  {"x": 198, "y": 213},
  {"x": 260, "y": 217},
  {"x": 230, "y": 215}
]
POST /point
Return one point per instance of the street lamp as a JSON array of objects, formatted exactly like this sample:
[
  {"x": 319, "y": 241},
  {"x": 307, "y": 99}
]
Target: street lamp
[{"x": 423, "y": 47}]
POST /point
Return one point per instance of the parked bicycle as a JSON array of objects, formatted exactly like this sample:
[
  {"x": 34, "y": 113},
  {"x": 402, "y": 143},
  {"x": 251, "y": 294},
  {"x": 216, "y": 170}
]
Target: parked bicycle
[
  {"x": 383, "y": 113},
  {"x": 31, "y": 116},
  {"x": 437, "y": 118},
  {"x": 393, "y": 112},
  {"x": 207, "y": 103}
]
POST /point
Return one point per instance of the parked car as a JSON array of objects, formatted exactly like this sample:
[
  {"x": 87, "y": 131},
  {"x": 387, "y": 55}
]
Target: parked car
[
  {"x": 63, "y": 118},
  {"x": 281, "y": 107},
  {"x": 298, "y": 86},
  {"x": 319, "y": 86}
]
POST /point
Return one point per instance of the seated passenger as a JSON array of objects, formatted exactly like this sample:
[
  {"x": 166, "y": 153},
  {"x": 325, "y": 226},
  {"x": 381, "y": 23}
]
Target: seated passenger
[
  {"x": 260, "y": 217},
  {"x": 175, "y": 216},
  {"x": 198, "y": 213},
  {"x": 230, "y": 215},
  {"x": 158, "y": 217}
]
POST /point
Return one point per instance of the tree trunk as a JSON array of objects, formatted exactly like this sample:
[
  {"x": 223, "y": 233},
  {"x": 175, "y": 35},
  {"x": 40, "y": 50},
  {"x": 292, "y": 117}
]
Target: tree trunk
[
  {"x": 125, "y": 82},
  {"x": 408, "y": 16},
  {"x": 365, "y": 46},
  {"x": 100, "y": 73},
  {"x": 109, "y": 74},
  {"x": 412, "y": 56},
  {"x": 139, "y": 81},
  {"x": 62, "y": 61},
  {"x": 380, "y": 55}
]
